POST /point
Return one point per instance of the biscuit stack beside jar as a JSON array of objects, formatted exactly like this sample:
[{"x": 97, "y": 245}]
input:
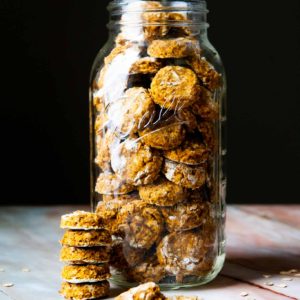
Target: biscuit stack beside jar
[{"x": 86, "y": 254}]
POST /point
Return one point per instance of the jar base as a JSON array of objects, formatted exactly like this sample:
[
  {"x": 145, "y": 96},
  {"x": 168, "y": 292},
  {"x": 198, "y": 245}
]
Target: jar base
[{"x": 193, "y": 281}]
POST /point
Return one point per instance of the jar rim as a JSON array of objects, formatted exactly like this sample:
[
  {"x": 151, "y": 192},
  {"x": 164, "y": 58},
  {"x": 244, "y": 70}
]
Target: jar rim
[{"x": 117, "y": 7}]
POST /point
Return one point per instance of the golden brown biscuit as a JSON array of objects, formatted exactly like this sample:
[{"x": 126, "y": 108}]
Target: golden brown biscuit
[
  {"x": 119, "y": 49},
  {"x": 207, "y": 111},
  {"x": 98, "y": 103},
  {"x": 146, "y": 65},
  {"x": 112, "y": 184},
  {"x": 174, "y": 30},
  {"x": 163, "y": 193},
  {"x": 208, "y": 132},
  {"x": 192, "y": 177},
  {"x": 146, "y": 291},
  {"x": 172, "y": 48},
  {"x": 167, "y": 23},
  {"x": 148, "y": 270},
  {"x": 101, "y": 123},
  {"x": 85, "y": 273},
  {"x": 205, "y": 107},
  {"x": 81, "y": 220},
  {"x": 122, "y": 257},
  {"x": 125, "y": 197},
  {"x": 104, "y": 142},
  {"x": 141, "y": 223},
  {"x": 109, "y": 210},
  {"x": 153, "y": 17},
  {"x": 84, "y": 291},
  {"x": 186, "y": 117},
  {"x": 146, "y": 12},
  {"x": 164, "y": 136},
  {"x": 92, "y": 255},
  {"x": 133, "y": 111},
  {"x": 191, "y": 152},
  {"x": 175, "y": 87},
  {"x": 125, "y": 256},
  {"x": 115, "y": 52},
  {"x": 86, "y": 238},
  {"x": 136, "y": 162},
  {"x": 182, "y": 253},
  {"x": 186, "y": 215},
  {"x": 205, "y": 71}
]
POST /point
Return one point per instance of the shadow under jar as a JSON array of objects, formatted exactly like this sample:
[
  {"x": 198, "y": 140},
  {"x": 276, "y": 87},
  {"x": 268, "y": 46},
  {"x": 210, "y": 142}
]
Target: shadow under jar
[{"x": 157, "y": 110}]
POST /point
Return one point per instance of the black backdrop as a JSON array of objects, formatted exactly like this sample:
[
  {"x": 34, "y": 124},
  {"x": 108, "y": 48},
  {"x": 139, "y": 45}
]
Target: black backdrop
[{"x": 47, "y": 48}]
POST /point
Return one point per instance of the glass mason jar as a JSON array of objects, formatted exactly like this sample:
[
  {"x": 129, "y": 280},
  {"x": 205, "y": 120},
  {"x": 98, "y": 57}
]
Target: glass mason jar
[{"x": 157, "y": 116}]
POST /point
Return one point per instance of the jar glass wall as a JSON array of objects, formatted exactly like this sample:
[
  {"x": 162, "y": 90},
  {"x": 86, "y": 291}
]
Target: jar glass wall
[{"x": 157, "y": 117}]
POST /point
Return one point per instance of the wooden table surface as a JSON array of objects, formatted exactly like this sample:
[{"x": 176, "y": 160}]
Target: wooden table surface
[{"x": 260, "y": 240}]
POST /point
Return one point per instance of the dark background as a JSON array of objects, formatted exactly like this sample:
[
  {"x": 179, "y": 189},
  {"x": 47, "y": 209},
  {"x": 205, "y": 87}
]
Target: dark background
[{"x": 47, "y": 49}]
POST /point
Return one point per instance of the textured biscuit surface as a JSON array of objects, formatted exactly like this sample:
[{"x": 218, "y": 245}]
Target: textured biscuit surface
[
  {"x": 192, "y": 177},
  {"x": 85, "y": 273},
  {"x": 167, "y": 136},
  {"x": 206, "y": 72},
  {"x": 175, "y": 87},
  {"x": 81, "y": 220},
  {"x": 148, "y": 270},
  {"x": 133, "y": 111},
  {"x": 108, "y": 183},
  {"x": 109, "y": 211},
  {"x": 163, "y": 193},
  {"x": 182, "y": 253},
  {"x": 172, "y": 48},
  {"x": 142, "y": 224},
  {"x": 76, "y": 255},
  {"x": 184, "y": 216},
  {"x": 146, "y": 291},
  {"x": 146, "y": 65},
  {"x": 84, "y": 291},
  {"x": 191, "y": 152},
  {"x": 136, "y": 162},
  {"x": 103, "y": 144},
  {"x": 86, "y": 238}
]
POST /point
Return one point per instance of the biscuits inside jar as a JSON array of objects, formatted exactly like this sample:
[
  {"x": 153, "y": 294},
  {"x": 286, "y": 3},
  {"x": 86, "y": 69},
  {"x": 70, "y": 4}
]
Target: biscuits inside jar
[
  {"x": 163, "y": 136},
  {"x": 163, "y": 193},
  {"x": 182, "y": 253},
  {"x": 175, "y": 87},
  {"x": 173, "y": 48},
  {"x": 124, "y": 256},
  {"x": 191, "y": 177},
  {"x": 131, "y": 112},
  {"x": 136, "y": 162},
  {"x": 190, "y": 152},
  {"x": 112, "y": 184},
  {"x": 167, "y": 96},
  {"x": 141, "y": 223},
  {"x": 187, "y": 215},
  {"x": 206, "y": 72},
  {"x": 149, "y": 270}
]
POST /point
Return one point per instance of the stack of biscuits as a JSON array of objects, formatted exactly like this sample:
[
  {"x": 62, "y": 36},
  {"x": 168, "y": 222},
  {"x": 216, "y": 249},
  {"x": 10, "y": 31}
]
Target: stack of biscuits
[{"x": 86, "y": 253}]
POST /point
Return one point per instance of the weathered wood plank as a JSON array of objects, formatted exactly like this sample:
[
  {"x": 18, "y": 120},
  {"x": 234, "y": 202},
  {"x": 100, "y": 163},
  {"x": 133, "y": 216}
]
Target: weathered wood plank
[
  {"x": 4, "y": 296},
  {"x": 288, "y": 214},
  {"x": 258, "y": 246}
]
